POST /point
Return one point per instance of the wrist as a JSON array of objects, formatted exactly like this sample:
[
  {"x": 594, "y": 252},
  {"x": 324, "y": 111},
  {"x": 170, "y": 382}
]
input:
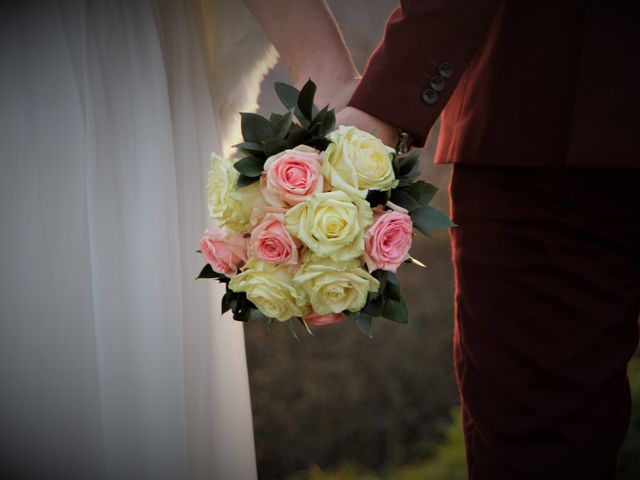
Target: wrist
[{"x": 368, "y": 123}]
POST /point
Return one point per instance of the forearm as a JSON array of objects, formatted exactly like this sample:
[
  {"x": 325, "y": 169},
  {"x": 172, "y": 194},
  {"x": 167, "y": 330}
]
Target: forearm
[{"x": 308, "y": 40}]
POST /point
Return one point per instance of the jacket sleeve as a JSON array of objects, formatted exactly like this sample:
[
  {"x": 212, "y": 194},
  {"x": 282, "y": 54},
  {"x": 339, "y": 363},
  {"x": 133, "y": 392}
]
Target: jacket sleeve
[{"x": 415, "y": 69}]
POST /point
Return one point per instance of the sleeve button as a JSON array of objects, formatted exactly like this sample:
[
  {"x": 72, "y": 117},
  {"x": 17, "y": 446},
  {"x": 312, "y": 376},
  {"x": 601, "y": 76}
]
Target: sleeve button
[
  {"x": 429, "y": 96},
  {"x": 437, "y": 83},
  {"x": 446, "y": 70}
]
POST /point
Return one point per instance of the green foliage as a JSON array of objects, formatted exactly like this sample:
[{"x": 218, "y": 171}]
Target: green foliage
[
  {"x": 347, "y": 471},
  {"x": 426, "y": 217},
  {"x": 629, "y": 458},
  {"x": 387, "y": 302},
  {"x": 249, "y": 166},
  {"x": 264, "y": 137},
  {"x": 208, "y": 272},
  {"x": 447, "y": 463}
]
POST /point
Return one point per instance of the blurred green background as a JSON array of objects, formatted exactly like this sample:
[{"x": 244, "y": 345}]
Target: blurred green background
[{"x": 341, "y": 406}]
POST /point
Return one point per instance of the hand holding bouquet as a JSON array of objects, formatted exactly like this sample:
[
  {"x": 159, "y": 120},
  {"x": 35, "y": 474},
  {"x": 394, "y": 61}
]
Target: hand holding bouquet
[{"x": 313, "y": 221}]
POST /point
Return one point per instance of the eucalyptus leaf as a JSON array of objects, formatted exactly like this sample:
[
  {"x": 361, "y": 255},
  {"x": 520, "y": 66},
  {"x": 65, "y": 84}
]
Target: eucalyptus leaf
[
  {"x": 328, "y": 124},
  {"x": 374, "y": 305},
  {"x": 273, "y": 146},
  {"x": 392, "y": 292},
  {"x": 298, "y": 136},
  {"x": 428, "y": 217},
  {"x": 250, "y": 147},
  {"x": 244, "y": 180},
  {"x": 284, "y": 125},
  {"x": 208, "y": 272},
  {"x": 305, "y": 99},
  {"x": 275, "y": 118},
  {"x": 393, "y": 278},
  {"x": 404, "y": 200},
  {"x": 321, "y": 116},
  {"x": 319, "y": 143},
  {"x": 409, "y": 163},
  {"x": 396, "y": 166},
  {"x": 226, "y": 303},
  {"x": 396, "y": 311},
  {"x": 287, "y": 94},
  {"x": 363, "y": 323},
  {"x": 255, "y": 128},
  {"x": 422, "y": 191},
  {"x": 249, "y": 166},
  {"x": 376, "y": 197}
]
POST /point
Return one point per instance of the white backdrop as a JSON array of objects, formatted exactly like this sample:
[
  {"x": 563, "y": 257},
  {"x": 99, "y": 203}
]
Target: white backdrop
[{"x": 113, "y": 361}]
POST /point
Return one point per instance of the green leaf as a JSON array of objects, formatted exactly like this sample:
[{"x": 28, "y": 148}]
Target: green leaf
[
  {"x": 382, "y": 276},
  {"x": 396, "y": 166},
  {"x": 283, "y": 126},
  {"x": 321, "y": 116},
  {"x": 273, "y": 146},
  {"x": 404, "y": 200},
  {"x": 319, "y": 143},
  {"x": 305, "y": 99},
  {"x": 227, "y": 302},
  {"x": 396, "y": 311},
  {"x": 329, "y": 123},
  {"x": 422, "y": 191},
  {"x": 244, "y": 180},
  {"x": 275, "y": 118},
  {"x": 376, "y": 197},
  {"x": 255, "y": 128},
  {"x": 393, "y": 278},
  {"x": 209, "y": 272},
  {"x": 409, "y": 162},
  {"x": 287, "y": 94},
  {"x": 352, "y": 315},
  {"x": 298, "y": 136},
  {"x": 250, "y": 148},
  {"x": 428, "y": 217},
  {"x": 363, "y": 323},
  {"x": 374, "y": 305},
  {"x": 244, "y": 310},
  {"x": 249, "y": 166}
]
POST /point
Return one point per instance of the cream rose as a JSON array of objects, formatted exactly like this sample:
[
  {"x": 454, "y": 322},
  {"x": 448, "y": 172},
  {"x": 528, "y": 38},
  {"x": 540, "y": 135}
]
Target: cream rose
[
  {"x": 334, "y": 287},
  {"x": 331, "y": 224},
  {"x": 270, "y": 287},
  {"x": 229, "y": 206},
  {"x": 357, "y": 161},
  {"x": 292, "y": 176}
]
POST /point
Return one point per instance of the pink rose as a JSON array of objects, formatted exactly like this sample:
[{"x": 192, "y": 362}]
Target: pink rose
[
  {"x": 225, "y": 251},
  {"x": 388, "y": 240},
  {"x": 322, "y": 320},
  {"x": 272, "y": 243},
  {"x": 292, "y": 176}
]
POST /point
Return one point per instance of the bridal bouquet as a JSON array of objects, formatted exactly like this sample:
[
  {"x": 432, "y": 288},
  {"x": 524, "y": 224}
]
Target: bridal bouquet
[{"x": 313, "y": 221}]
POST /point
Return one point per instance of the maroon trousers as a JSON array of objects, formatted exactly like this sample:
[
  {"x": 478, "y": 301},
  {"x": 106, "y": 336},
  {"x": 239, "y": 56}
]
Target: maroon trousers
[{"x": 547, "y": 264}]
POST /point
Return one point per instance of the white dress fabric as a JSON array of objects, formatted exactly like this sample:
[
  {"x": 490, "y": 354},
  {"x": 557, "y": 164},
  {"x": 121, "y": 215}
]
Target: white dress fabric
[{"x": 114, "y": 362}]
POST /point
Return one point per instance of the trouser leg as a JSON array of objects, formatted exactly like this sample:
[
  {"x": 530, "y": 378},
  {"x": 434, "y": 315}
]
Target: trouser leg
[{"x": 547, "y": 265}]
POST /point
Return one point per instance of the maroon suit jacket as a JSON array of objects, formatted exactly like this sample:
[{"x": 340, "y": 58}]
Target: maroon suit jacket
[{"x": 518, "y": 82}]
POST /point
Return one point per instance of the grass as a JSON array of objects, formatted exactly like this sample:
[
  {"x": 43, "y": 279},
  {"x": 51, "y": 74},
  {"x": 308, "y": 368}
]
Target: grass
[{"x": 448, "y": 459}]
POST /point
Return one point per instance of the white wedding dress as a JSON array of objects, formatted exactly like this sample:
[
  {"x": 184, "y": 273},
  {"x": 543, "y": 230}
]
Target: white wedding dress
[{"x": 114, "y": 362}]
